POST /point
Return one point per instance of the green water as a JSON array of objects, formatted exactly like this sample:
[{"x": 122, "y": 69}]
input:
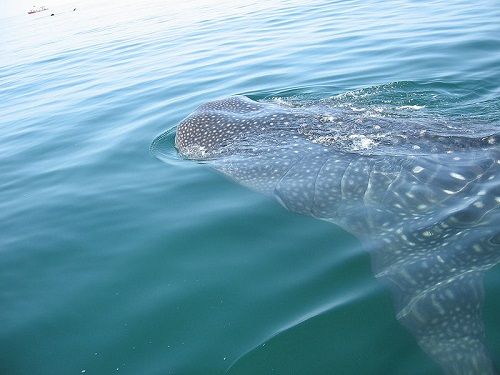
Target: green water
[{"x": 112, "y": 262}]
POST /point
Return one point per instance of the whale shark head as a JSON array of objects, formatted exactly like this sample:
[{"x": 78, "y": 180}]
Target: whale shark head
[
  {"x": 239, "y": 125},
  {"x": 234, "y": 126},
  {"x": 421, "y": 193},
  {"x": 214, "y": 126}
]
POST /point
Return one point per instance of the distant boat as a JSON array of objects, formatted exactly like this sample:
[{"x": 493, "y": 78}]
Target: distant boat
[{"x": 37, "y": 10}]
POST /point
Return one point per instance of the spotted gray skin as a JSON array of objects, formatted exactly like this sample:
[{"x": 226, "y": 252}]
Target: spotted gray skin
[{"x": 425, "y": 205}]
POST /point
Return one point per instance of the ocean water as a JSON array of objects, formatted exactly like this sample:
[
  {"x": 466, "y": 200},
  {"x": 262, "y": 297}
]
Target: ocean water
[{"x": 113, "y": 262}]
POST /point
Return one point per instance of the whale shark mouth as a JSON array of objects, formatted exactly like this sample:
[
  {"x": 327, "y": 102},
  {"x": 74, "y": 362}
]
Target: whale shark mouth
[{"x": 421, "y": 191}]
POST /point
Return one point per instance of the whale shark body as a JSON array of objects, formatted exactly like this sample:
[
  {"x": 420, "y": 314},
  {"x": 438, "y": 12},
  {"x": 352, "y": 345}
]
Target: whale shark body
[{"x": 422, "y": 193}]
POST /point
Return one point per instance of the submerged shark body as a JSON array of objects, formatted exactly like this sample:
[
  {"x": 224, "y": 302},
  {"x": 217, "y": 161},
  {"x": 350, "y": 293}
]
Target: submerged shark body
[{"x": 424, "y": 201}]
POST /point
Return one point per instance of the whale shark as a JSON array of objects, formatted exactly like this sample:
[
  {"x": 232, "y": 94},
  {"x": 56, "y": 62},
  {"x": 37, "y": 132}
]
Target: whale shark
[{"x": 420, "y": 191}]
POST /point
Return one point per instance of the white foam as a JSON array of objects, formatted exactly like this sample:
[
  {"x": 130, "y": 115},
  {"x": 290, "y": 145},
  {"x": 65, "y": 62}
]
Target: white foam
[
  {"x": 415, "y": 107},
  {"x": 195, "y": 152},
  {"x": 361, "y": 142}
]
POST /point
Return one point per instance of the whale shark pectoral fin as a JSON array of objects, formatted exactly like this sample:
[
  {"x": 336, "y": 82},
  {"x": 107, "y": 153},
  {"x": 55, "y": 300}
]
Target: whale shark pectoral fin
[
  {"x": 438, "y": 291},
  {"x": 446, "y": 322}
]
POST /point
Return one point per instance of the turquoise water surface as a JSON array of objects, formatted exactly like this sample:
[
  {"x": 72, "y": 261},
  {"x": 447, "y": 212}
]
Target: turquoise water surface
[{"x": 113, "y": 262}]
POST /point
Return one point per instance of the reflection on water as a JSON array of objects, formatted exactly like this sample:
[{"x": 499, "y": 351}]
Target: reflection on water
[{"x": 421, "y": 191}]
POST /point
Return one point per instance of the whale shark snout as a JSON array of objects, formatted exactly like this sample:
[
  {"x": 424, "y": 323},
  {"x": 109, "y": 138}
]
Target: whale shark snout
[
  {"x": 214, "y": 126},
  {"x": 202, "y": 135}
]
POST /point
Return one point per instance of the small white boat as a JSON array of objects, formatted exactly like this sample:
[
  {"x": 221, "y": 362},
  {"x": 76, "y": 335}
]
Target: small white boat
[{"x": 37, "y": 10}]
